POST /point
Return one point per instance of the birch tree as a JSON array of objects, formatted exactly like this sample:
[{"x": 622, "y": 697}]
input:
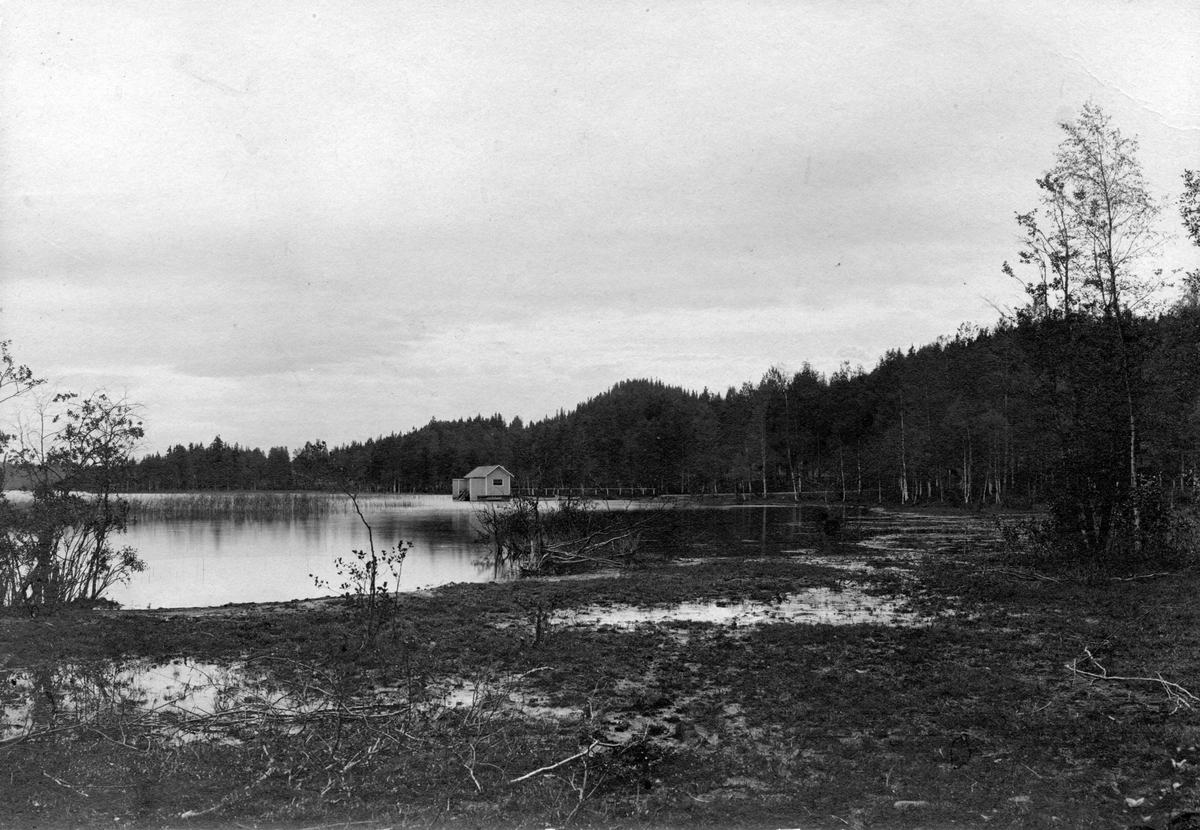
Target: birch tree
[
  {"x": 1109, "y": 202},
  {"x": 1091, "y": 242}
]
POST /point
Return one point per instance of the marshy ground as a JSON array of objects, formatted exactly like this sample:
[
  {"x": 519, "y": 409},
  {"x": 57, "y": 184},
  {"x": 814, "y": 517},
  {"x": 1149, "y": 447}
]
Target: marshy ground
[{"x": 895, "y": 674}]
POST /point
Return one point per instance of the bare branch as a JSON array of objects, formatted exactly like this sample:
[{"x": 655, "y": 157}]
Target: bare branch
[
  {"x": 1177, "y": 694},
  {"x": 596, "y": 743}
]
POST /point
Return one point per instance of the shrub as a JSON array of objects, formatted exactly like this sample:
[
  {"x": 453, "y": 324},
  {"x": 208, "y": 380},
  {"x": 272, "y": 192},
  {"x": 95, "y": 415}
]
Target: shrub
[{"x": 1143, "y": 530}]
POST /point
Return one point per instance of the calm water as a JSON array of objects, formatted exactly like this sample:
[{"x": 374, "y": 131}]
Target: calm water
[{"x": 218, "y": 561}]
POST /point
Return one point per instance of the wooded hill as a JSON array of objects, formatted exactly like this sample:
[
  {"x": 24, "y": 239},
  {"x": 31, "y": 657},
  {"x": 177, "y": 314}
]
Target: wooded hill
[{"x": 978, "y": 417}]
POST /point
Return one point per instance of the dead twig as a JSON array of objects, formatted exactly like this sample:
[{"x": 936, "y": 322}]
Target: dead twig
[
  {"x": 108, "y": 737},
  {"x": 1177, "y": 694},
  {"x": 62, "y": 783},
  {"x": 470, "y": 768},
  {"x": 1137, "y": 577},
  {"x": 557, "y": 764},
  {"x": 39, "y": 733},
  {"x": 1027, "y": 574},
  {"x": 232, "y": 797}
]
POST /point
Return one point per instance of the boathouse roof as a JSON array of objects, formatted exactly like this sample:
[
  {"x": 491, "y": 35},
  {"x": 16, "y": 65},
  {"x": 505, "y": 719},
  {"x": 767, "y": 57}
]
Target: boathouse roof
[{"x": 485, "y": 471}]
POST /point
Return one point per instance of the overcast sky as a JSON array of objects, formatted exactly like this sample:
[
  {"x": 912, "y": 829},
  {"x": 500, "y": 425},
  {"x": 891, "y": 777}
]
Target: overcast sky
[{"x": 280, "y": 221}]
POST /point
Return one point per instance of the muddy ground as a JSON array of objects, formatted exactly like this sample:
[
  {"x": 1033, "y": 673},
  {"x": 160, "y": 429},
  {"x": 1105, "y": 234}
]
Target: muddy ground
[{"x": 897, "y": 673}]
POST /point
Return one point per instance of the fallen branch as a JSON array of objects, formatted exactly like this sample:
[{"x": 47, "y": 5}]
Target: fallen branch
[
  {"x": 470, "y": 768},
  {"x": 1027, "y": 574},
  {"x": 1177, "y": 694},
  {"x": 589, "y": 542},
  {"x": 62, "y": 783},
  {"x": 232, "y": 797},
  {"x": 1136, "y": 577},
  {"x": 39, "y": 734},
  {"x": 564, "y": 761}
]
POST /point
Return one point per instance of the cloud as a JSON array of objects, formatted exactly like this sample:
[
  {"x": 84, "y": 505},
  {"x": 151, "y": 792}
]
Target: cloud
[{"x": 298, "y": 220}]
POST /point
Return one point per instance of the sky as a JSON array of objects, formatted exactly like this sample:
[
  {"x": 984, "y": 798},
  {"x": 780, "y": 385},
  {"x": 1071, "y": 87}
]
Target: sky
[{"x": 285, "y": 221}]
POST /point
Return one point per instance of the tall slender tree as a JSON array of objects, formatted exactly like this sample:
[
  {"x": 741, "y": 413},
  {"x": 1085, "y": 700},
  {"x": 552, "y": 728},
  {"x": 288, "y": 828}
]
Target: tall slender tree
[
  {"x": 1110, "y": 203},
  {"x": 1100, "y": 229}
]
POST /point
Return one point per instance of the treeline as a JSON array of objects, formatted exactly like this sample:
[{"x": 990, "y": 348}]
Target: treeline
[
  {"x": 1081, "y": 401},
  {"x": 967, "y": 419},
  {"x": 218, "y": 466}
]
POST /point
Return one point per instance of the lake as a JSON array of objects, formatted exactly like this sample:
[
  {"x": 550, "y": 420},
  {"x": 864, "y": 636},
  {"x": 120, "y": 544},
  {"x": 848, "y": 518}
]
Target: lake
[{"x": 212, "y": 561}]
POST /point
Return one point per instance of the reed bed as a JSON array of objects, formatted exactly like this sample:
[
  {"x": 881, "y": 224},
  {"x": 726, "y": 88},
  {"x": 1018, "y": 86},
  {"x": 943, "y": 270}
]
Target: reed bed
[{"x": 254, "y": 505}]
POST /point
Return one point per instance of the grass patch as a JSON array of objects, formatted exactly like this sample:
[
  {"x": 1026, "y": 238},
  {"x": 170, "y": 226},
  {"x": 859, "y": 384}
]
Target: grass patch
[{"x": 252, "y": 505}]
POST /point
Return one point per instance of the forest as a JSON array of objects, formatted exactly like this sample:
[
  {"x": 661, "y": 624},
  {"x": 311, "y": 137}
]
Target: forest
[{"x": 965, "y": 420}]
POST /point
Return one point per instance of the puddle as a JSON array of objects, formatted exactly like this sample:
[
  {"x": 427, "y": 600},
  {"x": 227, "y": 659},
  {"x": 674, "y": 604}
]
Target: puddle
[
  {"x": 183, "y": 701},
  {"x": 898, "y": 562},
  {"x": 914, "y": 535},
  {"x": 927, "y": 533},
  {"x": 511, "y": 695},
  {"x": 507, "y": 695},
  {"x": 818, "y": 606},
  {"x": 180, "y": 700}
]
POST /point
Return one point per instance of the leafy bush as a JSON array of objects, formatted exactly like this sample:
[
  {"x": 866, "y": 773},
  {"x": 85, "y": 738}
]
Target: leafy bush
[
  {"x": 60, "y": 546},
  {"x": 538, "y": 537},
  {"x": 1143, "y": 530}
]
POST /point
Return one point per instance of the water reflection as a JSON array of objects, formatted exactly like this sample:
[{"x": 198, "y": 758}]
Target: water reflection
[
  {"x": 144, "y": 702},
  {"x": 213, "y": 561},
  {"x": 198, "y": 562},
  {"x": 179, "y": 700}
]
